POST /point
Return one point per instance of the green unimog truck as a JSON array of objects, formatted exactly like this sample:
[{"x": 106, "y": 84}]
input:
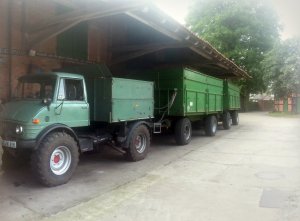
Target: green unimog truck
[{"x": 56, "y": 116}]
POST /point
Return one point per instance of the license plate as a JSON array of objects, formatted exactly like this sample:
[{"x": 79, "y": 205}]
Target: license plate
[{"x": 10, "y": 144}]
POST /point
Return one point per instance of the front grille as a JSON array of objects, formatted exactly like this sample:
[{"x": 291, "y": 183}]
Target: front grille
[{"x": 7, "y": 130}]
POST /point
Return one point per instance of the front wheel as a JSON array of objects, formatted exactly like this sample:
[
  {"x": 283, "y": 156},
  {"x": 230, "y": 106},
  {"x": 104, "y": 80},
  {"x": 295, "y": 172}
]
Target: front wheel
[
  {"x": 139, "y": 143},
  {"x": 56, "y": 159},
  {"x": 183, "y": 131},
  {"x": 211, "y": 125}
]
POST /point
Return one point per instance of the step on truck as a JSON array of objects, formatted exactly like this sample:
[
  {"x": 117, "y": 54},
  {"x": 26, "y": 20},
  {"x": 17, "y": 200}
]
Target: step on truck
[{"x": 54, "y": 117}]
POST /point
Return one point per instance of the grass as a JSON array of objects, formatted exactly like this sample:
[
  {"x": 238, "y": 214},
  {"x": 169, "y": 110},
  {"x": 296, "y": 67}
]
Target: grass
[{"x": 283, "y": 114}]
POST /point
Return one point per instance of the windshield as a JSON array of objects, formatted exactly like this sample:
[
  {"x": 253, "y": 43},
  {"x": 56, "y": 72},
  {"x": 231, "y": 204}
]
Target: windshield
[{"x": 35, "y": 87}]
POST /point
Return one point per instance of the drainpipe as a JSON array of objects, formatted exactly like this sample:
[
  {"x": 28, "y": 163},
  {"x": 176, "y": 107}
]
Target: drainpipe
[{"x": 9, "y": 46}]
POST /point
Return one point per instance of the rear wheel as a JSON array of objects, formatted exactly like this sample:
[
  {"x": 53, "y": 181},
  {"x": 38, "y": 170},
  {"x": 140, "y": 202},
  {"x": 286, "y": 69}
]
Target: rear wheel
[
  {"x": 56, "y": 159},
  {"x": 211, "y": 124},
  {"x": 227, "y": 120},
  {"x": 139, "y": 143},
  {"x": 235, "y": 117},
  {"x": 183, "y": 131}
]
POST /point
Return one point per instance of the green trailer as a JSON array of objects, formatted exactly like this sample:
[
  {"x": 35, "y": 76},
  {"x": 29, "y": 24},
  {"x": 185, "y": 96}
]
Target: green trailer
[{"x": 184, "y": 96}]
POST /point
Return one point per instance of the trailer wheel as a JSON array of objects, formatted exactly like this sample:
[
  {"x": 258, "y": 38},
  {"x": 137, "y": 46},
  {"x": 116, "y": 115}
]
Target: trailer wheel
[
  {"x": 139, "y": 143},
  {"x": 227, "y": 120},
  {"x": 183, "y": 131},
  {"x": 211, "y": 125},
  {"x": 56, "y": 159},
  {"x": 235, "y": 117}
]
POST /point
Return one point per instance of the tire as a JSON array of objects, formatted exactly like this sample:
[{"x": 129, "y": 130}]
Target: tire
[
  {"x": 235, "y": 117},
  {"x": 56, "y": 159},
  {"x": 139, "y": 143},
  {"x": 183, "y": 131},
  {"x": 227, "y": 120},
  {"x": 10, "y": 162},
  {"x": 211, "y": 125}
]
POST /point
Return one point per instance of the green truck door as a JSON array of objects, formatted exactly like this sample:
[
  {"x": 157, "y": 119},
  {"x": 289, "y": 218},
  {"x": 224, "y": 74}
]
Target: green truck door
[{"x": 72, "y": 108}]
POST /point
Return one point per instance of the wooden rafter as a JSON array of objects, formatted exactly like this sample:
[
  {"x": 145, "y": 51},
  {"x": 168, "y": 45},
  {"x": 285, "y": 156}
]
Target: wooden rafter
[
  {"x": 154, "y": 26},
  {"x": 66, "y": 3},
  {"x": 135, "y": 51},
  {"x": 203, "y": 54},
  {"x": 45, "y": 30},
  {"x": 133, "y": 55},
  {"x": 128, "y": 48}
]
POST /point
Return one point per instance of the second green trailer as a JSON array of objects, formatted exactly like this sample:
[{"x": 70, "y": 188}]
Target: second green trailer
[{"x": 184, "y": 97}]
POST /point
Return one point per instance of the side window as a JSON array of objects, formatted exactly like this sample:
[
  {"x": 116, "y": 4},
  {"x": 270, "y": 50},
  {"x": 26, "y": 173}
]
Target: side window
[
  {"x": 74, "y": 90},
  {"x": 61, "y": 90},
  {"x": 48, "y": 91}
]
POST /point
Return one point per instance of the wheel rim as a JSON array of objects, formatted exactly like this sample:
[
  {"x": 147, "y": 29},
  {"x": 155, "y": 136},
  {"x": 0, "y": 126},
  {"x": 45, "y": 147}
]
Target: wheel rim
[
  {"x": 229, "y": 119},
  {"x": 140, "y": 143},
  {"x": 214, "y": 127},
  {"x": 60, "y": 160},
  {"x": 187, "y": 132}
]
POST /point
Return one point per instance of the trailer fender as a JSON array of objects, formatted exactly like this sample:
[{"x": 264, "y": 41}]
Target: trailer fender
[{"x": 52, "y": 128}]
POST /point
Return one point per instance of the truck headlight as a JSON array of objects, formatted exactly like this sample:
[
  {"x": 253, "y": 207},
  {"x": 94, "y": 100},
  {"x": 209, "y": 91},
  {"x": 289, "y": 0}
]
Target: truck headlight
[{"x": 19, "y": 129}]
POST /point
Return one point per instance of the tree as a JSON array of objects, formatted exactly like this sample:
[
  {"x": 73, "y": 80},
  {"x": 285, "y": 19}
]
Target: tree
[
  {"x": 243, "y": 30},
  {"x": 282, "y": 68}
]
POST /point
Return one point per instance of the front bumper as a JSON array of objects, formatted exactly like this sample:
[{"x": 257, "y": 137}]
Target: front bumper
[{"x": 18, "y": 144}]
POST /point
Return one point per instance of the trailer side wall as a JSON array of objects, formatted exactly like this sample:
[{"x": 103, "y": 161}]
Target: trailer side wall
[
  {"x": 117, "y": 100},
  {"x": 231, "y": 96},
  {"x": 197, "y": 94}
]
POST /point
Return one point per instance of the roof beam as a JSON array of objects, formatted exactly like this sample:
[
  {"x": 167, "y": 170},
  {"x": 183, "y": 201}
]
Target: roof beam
[
  {"x": 136, "y": 47},
  {"x": 65, "y": 3},
  {"x": 45, "y": 30},
  {"x": 131, "y": 56},
  {"x": 203, "y": 54},
  {"x": 154, "y": 26},
  {"x": 80, "y": 14}
]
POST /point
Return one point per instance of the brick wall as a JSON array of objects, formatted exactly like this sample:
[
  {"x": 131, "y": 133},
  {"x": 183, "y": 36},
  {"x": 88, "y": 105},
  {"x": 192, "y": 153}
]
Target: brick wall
[
  {"x": 29, "y": 12},
  {"x": 3, "y": 44},
  {"x": 20, "y": 65}
]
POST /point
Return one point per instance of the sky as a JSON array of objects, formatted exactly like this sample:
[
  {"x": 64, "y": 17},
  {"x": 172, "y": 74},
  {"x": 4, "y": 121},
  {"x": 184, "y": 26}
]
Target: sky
[{"x": 288, "y": 11}]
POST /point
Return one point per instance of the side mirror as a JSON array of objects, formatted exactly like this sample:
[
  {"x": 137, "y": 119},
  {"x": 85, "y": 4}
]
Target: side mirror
[{"x": 47, "y": 101}]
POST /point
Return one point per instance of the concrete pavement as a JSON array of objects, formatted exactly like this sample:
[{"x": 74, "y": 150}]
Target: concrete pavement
[{"x": 251, "y": 172}]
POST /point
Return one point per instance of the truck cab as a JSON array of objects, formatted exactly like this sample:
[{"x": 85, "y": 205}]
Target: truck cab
[{"x": 41, "y": 101}]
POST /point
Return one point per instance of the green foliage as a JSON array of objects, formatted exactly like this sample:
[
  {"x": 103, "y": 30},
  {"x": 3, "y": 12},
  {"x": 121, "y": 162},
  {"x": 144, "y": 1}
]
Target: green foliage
[
  {"x": 282, "y": 68},
  {"x": 243, "y": 30}
]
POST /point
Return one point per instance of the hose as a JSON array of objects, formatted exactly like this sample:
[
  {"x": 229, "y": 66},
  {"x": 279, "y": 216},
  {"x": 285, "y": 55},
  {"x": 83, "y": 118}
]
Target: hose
[{"x": 169, "y": 105}]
